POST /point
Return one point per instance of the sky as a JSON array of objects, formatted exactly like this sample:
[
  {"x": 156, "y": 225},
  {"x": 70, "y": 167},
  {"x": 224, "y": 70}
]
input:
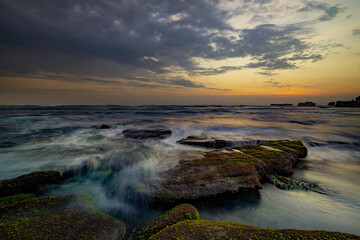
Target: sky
[{"x": 132, "y": 52}]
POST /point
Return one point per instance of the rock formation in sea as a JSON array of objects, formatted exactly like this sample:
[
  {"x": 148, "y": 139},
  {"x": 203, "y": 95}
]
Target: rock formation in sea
[
  {"x": 185, "y": 225},
  {"x": 227, "y": 171},
  {"x": 204, "y": 141},
  {"x": 57, "y": 217},
  {"x": 306, "y": 104},
  {"x": 146, "y": 133},
  {"x": 30, "y": 183},
  {"x": 177, "y": 214},
  {"x": 287, "y": 183},
  {"x": 352, "y": 103},
  {"x": 281, "y": 104},
  {"x": 104, "y": 126}
]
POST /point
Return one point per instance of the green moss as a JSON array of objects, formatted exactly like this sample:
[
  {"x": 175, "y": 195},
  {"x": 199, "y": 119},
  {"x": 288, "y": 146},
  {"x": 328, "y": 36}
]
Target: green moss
[
  {"x": 179, "y": 213},
  {"x": 16, "y": 198},
  {"x": 228, "y": 171},
  {"x": 263, "y": 154},
  {"x": 285, "y": 145},
  {"x": 203, "y": 229},
  {"x": 57, "y": 217},
  {"x": 104, "y": 173}
]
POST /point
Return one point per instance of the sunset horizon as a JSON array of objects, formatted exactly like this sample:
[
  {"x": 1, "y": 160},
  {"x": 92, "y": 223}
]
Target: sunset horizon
[{"x": 216, "y": 52}]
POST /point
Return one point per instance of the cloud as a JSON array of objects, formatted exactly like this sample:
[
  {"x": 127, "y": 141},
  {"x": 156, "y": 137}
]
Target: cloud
[
  {"x": 278, "y": 85},
  {"x": 267, "y": 73},
  {"x": 329, "y": 12},
  {"x": 145, "y": 39},
  {"x": 356, "y": 32}
]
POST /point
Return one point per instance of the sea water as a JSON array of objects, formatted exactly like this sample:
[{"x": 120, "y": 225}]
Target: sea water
[{"x": 60, "y": 137}]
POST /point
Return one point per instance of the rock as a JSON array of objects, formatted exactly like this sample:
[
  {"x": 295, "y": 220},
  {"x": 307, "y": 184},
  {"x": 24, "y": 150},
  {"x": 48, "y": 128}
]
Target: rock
[
  {"x": 331, "y": 104},
  {"x": 352, "y": 103},
  {"x": 306, "y": 104},
  {"x": 281, "y": 104},
  {"x": 104, "y": 126},
  {"x": 16, "y": 198},
  {"x": 203, "y": 141},
  {"x": 227, "y": 171},
  {"x": 30, "y": 183},
  {"x": 196, "y": 229},
  {"x": 58, "y": 217},
  {"x": 7, "y": 144},
  {"x": 146, "y": 133},
  {"x": 287, "y": 183},
  {"x": 180, "y": 213},
  {"x": 205, "y": 229}
]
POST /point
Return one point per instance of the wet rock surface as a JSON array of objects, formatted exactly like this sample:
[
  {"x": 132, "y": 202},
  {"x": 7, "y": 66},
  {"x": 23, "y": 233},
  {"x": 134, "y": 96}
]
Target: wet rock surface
[
  {"x": 180, "y": 213},
  {"x": 57, "y": 217},
  {"x": 227, "y": 171},
  {"x": 146, "y": 133},
  {"x": 185, "y": 228},
  {"x": 104, "y": 126},
  {"x": 287, "y": 183},
  {"x": 204, "y": 141},
  {"x": 205, "y": 229},
  {"x": 30, "y": 183}
]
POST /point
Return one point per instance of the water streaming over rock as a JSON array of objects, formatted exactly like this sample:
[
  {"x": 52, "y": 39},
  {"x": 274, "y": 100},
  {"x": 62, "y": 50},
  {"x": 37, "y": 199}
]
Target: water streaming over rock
[{"x": 115, "y": 170}]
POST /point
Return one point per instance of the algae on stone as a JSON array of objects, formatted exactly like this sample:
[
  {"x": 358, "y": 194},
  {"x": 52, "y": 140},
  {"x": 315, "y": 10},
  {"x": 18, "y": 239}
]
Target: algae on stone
[
  {"x": 227, "y": 171},
  {"x": 177, "y": 214},
  {"x": 16, "y": 198},
  {"x": 57, "y": 217},
  {"x": 205, "y": 229}
]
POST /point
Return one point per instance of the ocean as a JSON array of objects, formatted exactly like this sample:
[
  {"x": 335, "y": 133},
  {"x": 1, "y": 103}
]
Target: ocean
[{"x": 60, "y": 137}]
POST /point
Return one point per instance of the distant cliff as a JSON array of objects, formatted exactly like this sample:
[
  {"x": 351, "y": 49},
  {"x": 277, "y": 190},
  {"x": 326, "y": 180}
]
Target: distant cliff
[{"x": 352, "y": 103}]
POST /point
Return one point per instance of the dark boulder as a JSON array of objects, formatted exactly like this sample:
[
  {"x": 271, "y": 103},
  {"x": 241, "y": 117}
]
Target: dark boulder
[
  {"x": 58, "y": 217},
  {"x": 179, "y": 213},
  {"x": 7, "y": 144},
  {"x": 204, "y": 141},
  {"x": 331, "y": 104},
  {"x": 146, "y": 133},
  {"x": 30, "y": 183},
  {"x": 227, "y": 171},
  {"x": 104, "y": 126}
]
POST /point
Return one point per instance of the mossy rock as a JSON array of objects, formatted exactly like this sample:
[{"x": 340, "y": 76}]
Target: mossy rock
[
  {"x": 16, "y": 198},
  {"x": 179, "y": 213},
  {"x": 204, "y": 229},
  {"x": 287, "y": 183},
  {"x": 227, "y": 171},
  {"x": 58, "y": 217},
  {"x": 30, "y": 183}
]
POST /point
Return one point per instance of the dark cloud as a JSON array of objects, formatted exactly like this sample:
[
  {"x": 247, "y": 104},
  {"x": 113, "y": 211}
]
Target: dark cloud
[
  {"x": 356, "y": 32},
  {"x": 329, "y": 12},
  {"x": 267, "y": 73},
  {"x": 278, "y": 85},
  {"x": 142, "y": 39}
]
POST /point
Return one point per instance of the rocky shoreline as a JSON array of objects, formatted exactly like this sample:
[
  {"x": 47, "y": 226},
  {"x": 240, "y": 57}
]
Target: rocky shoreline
[{"x": 25, "y": 213}]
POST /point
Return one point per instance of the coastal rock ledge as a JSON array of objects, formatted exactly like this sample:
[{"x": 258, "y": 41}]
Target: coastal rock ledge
[
  {"x": 183, "y": 222},
  {"x": 57, "y": 217},
  {"x": 227, "y": 171}
]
